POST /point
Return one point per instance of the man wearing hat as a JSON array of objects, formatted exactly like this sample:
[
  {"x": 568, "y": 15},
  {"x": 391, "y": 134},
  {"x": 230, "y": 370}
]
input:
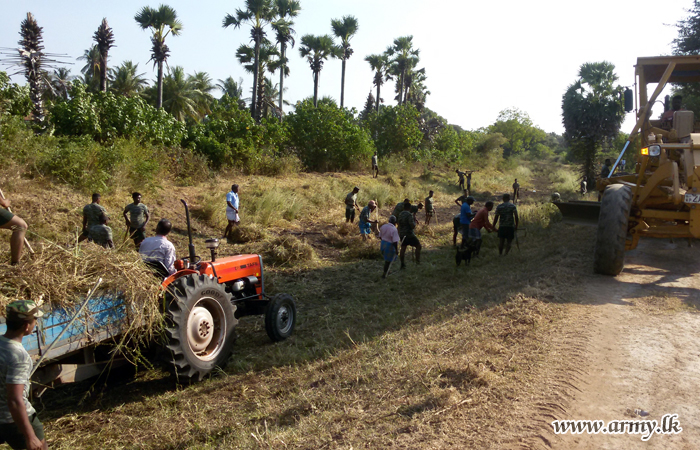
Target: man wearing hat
[
  {"x": 19, "y": 425},
  {"x": 365, "y": 222},
  {"x": 351, "y": 205}
]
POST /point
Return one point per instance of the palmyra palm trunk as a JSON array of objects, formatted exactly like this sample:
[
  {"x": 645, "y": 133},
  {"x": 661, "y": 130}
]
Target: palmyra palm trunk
[
  {"x": 159, "y": 101},
  {"x": 316, "y": 73},
  {"x": 342, "y": 86},
  {"x": 283, "y": 49},
  {"x": 103, "y": 73},
  {"x": 256, "y": 74},
  {"x": 378, "y": 97}
]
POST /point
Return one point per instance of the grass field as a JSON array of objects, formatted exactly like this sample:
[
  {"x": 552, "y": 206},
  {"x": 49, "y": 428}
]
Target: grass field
[{"x": 435, "y": 356}]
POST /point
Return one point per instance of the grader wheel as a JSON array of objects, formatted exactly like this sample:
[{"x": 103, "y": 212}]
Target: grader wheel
[{"x": 612, "y": 230}]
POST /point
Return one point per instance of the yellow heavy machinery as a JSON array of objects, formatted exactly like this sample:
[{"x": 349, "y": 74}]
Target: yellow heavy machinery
[{"x": 661, "y": 198}]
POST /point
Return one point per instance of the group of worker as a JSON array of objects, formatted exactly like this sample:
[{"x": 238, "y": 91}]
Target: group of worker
[{"x": 399, "y": 232}]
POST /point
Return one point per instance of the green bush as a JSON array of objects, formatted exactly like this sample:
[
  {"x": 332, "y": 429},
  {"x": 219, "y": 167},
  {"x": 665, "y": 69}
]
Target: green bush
[
  {"x": 396, "y": 130},
  {"x": 327, "y": 137},
  {"x": 14, "y": 99}
]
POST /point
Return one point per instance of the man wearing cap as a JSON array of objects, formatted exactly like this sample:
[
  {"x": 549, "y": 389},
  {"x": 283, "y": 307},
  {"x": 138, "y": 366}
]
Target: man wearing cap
[
  {"x": 365, "y": 222},
  {"x": 408, "y": 237},
  {"x": 19, "y": 425},
  {"x": 232, "y": 210},
  {"x": 18, "y": 227},
  {"x": 351, "y": 205},
  {"x": 390, "y": 243}
]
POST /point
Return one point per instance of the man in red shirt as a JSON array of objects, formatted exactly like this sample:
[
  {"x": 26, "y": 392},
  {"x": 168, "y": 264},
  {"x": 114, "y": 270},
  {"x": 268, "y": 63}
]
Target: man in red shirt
[{"x": 481, "y": 220}]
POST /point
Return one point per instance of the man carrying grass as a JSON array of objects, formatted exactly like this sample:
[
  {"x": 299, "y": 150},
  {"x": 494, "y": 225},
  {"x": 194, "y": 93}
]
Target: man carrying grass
[
  {"x": 18, "y": 227},
  {"x": 231, "y": 210},
  {"x": 508, "y": 215},
  {"x": 91, "y": 216},
  {"x": 137, "y": 220},
  {"x": 408, "y": 237},
  {"x": 351, "y": 205},
  {"x": 365, "y": 222},
  {"x": 101, "y": 234},
  {"x": 19, "y": 425}
]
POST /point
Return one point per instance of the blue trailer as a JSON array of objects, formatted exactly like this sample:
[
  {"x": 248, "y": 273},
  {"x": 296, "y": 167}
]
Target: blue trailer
[{"x": 72, "y": 357}]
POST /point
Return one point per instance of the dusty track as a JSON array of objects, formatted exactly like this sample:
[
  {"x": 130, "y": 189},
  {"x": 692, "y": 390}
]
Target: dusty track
[{"x": 636, "y": 346}]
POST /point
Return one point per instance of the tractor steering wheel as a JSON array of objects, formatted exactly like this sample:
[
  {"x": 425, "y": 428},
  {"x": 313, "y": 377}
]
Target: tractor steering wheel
[{"x": 191, "y": 263}]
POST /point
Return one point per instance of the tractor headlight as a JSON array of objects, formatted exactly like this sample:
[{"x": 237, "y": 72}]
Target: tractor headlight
[{"x": 212, "y": 243}]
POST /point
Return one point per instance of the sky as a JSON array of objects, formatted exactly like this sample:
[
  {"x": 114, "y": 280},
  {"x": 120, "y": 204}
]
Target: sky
[{"x": 480, "y": 57}]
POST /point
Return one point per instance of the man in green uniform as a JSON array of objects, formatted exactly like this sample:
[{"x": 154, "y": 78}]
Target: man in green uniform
[
  {"x": 19, "y": 229},
  {"x": 102, "y": 234},
  {"x": 399, "y": 207},
  {"x": 351, "y": 205},
  {"x": 508, "y": 215},
  {"x": 406, "y": 225},
  {"x": 137, "y": 220},
  {"x": 430, "y": 210},
  {"x": 91, "y": 216}
]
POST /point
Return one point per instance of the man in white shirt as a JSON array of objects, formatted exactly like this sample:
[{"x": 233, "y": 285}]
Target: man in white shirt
[
  {"x": 390, "y": 243},
  {"x": 159, "y": 248},
  {"x": 231, "y": 210}
]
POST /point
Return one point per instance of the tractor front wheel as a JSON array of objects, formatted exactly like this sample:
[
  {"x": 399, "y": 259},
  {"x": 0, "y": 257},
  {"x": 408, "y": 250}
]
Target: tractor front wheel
[
  {"x": 280, "y": 317},
  {"x": 200, "y": 325},
  {"x": 612, "y": 230}
]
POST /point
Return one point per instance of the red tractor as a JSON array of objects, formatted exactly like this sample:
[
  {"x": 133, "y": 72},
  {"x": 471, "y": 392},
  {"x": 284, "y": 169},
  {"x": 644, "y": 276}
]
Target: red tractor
[{"x": 204, "y": 300}]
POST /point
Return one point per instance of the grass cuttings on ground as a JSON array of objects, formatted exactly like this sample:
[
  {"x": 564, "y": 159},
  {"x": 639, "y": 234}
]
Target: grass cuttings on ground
[{"x": 63, "y": 277}]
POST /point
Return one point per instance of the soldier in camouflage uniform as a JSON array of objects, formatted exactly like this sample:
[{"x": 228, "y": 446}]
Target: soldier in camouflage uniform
[
  {"x": 19, "y": 425},
  {"x": 102, "y": 234},
  {"x": 399, "y": 207},
  {"x": 91, "y": 216},
  {"x": 406, "y": 225}
]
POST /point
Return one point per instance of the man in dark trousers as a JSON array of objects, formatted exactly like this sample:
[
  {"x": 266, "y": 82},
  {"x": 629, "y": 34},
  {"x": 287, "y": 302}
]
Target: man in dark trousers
[
  {"x": 375, "y": 165},
  {"x": 516, "y": 191},
  {"x": 469, "y": 182},
  {"x": 351, "y": 205},
  {"x": 137, "y": 219},
  {"x": 19, "y": 229},
  {"x": 461, "y": 176},
  {"x": 407, "y": 225},
  {"x": 507, "y": 213}
]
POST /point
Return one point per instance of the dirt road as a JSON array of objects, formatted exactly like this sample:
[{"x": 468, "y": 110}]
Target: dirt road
[{"x": 639, "y": 349}]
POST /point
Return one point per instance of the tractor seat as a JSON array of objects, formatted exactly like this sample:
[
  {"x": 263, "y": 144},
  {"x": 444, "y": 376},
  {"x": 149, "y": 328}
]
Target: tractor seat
[{"x": 157, "y": 268}]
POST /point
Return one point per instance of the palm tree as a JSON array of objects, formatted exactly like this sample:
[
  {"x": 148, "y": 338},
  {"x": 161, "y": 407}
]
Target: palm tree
[
  {"x": 270, "y": 95},
  {"x": 380, "y": 65},
  {"x": 126, "y": 81},
  {"x": 233, "y": 89},
  {"x": 266, "y": 62},
  {"x": 59, "y": 82},
  {"x": 258, "y": 13},
  {"x": 344, "y": 29},
  {"x": 31, "y": 59},
  {"x": 317, "y": 49},
  {"x": 203, "y": 85},
  {"x": 286, "y": 10},
  {"x": 180, "y": 96},
  {"x": 405, "y": 57},
  {"x": 105, "y": 40},
  {"x": 158, "y": 20},
  {"x": 91, "y": 69}
]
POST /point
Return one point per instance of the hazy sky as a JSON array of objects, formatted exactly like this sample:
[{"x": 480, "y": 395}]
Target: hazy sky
[{"x": 480, "y": 58}]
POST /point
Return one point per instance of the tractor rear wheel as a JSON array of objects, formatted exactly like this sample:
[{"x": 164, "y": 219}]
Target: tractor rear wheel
[
  {"x": 612, "y": 230},
  {"x": 200, "y": 326},
  {"x": 280, "y": 317}
]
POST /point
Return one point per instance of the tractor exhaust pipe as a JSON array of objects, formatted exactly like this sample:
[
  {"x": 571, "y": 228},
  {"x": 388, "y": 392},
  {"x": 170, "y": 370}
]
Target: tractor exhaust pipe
[{"x": 189, "y": 232}]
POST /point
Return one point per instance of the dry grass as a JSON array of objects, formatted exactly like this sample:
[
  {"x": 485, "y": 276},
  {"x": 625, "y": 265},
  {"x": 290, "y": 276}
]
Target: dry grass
[{"x": 436, "y": 356}]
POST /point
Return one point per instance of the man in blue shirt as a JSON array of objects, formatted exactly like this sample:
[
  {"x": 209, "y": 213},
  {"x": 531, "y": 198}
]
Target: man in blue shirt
[
  {"x": 231, "y": 210},
  {"x": 465, "y": 219}
]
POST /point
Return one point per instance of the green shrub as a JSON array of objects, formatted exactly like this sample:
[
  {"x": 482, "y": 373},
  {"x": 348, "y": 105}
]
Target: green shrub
[{"x": 327, "y": 137}]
